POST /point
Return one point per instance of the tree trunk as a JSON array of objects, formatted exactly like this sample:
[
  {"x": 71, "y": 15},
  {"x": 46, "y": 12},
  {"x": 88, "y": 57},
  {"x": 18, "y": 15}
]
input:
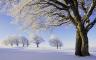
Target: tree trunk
[
  {"x": 37, "y": 45},
  {"x": 82, "y": 48},
  {"x": 78, "y": 44},
  {"x": 85, "y": 47},
  {"x": 23, "y": 44},
  {"x": 11, "y": 44},
  {"x": 27, "y": 43},
  {"x": 17, "y": 44},
  {"x": 57, "y": 46}
]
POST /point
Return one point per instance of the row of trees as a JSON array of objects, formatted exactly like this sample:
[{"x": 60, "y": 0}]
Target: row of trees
[
  {"x": 14, "y": 40},
  {"x": 37, "y": 40}
]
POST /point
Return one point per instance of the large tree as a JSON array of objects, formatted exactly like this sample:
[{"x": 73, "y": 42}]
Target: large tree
[{"x": 39, "y": 14}]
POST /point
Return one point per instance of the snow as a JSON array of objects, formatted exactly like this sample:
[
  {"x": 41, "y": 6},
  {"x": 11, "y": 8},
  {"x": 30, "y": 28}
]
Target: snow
[{"x": 41, "y": 54}]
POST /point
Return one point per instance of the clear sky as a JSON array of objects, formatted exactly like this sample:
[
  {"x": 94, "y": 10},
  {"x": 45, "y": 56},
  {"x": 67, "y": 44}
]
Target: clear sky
[{"x": 66, "y": 34}]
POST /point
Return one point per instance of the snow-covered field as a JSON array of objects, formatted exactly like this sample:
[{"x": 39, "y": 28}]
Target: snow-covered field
[{"x": 41, "y": 54}]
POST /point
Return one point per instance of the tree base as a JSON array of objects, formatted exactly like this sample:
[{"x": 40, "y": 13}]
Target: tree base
[
  {"x": 79, "y": 54},
  {"x": 87, "y": 54}
]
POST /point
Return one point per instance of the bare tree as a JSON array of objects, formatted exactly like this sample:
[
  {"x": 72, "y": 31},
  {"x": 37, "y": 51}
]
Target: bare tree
[
  {"x": 55, "y": 13},
  {"x": 37, "y": 40},
  {"x": 24, "y": 41},
  {"x": 12, "y": 40},
  {"x": 55, "y": 42},
  {"x": 7, "y": 42}
]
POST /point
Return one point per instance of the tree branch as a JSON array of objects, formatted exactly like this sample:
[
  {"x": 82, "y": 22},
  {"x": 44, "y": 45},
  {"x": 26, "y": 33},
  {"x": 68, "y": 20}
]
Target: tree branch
[
  {"x": 59, "y": 3},
  {"x": 56, "y": 6},
  {"x": 72, "y": 19},
  {"x": 60, "y": 23},
  {"x": 89, "y": 12},
  {"x": 82, "y": 3},
  {"x": 89, "y": 26},
  {"x": 74, "y": 7},
  {"x": 63, "y": 16},
  {"x": 53, "y": 3}
]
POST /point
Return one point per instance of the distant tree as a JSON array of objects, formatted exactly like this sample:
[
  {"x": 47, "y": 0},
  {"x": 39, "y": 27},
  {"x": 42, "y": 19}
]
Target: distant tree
[
  {"x": 7, "y": 42},
  {"x": 55, "y": 42},
  {"x": 37, "y": 40},
  {"x": 16, "y": 41},
  {"x": 24, "y": 41},
  {"x": 12, "y": 40}
]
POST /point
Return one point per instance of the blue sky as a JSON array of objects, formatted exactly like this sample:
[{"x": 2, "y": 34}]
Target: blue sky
[
  {"x": 66, "y": 34},
  {"x": 5, "y": 27}
]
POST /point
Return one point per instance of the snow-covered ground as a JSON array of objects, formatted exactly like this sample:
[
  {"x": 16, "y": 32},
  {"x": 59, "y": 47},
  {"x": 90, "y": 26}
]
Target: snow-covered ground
[{"x": 41, "y": 54}]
